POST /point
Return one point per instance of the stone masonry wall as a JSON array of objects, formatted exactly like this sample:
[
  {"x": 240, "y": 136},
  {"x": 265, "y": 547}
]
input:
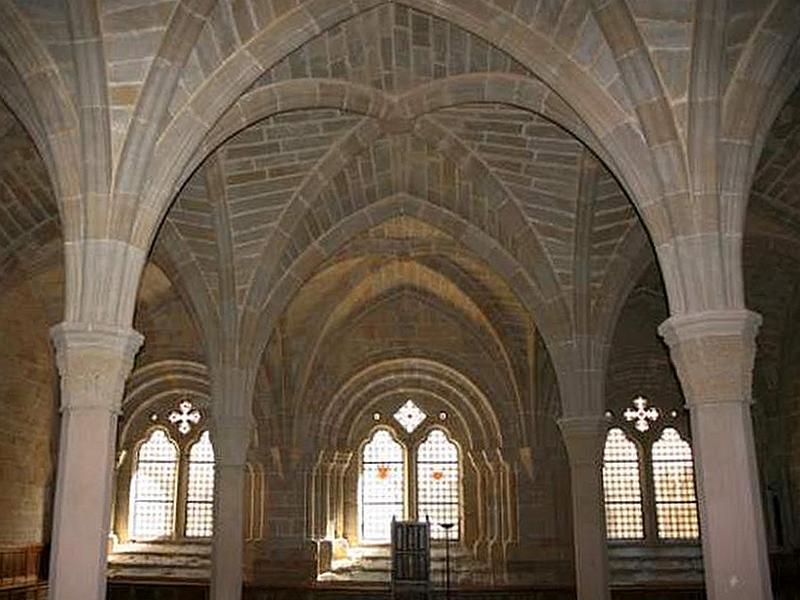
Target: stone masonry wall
[{"x": 28, "y": 418}]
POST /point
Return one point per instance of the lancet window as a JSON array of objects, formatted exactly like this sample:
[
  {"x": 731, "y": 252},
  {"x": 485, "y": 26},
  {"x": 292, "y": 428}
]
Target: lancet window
[
  {"x": 383, "y": 485},
  {"x": 154, "y": 486},
  {"x": 409, "y": 471},
  {"x": 439, "y": 483},
  {"x": 172, "y": 478},
  {"x": 622, "y": 486},
  {"x": 673, "y": 482},
  {"x": 200, "y": 489},
  {"x": 648, "y": 477}
]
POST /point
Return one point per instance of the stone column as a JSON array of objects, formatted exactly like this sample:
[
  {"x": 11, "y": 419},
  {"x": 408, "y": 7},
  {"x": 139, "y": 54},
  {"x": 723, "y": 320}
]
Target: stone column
[
  {"x": 231, "y": 439},
  {"x": 93, "y": 363},
  {"x": 328, "y": 515},
  {"x": 288, "y": 555},
  {"x": 713, "y": 353},
  {"x": 479, "y": 543},
  {"x": 584, "y": 438},
  {"x": 340, "y": 490}
]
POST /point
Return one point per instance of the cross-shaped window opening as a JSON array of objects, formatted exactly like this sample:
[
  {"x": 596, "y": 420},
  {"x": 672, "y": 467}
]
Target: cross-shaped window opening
[
  {"x": 641, "y": 414},
  {"x": 186, "y": 416}
]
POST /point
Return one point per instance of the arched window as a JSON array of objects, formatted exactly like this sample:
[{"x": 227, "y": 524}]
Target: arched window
[
  {"x": 200, "y": 489},
  {"x": 408, "y": 471},
  {"x": 622, "y": 487},
  {"x": 382, "y": 486},
  {"x": 439, "y": 483},
  {"x": 666, "y": 469},
  {"x": 171, "y": 491},
  {"x": 673, "y": 483},
  {"x": 153, "y": 487}
]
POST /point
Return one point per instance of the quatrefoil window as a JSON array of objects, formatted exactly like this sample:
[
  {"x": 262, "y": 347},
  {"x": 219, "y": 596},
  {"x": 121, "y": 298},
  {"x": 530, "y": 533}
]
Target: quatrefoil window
[
  {"x": 186, "y": 416},
  {"x": 642, "y": 414}
]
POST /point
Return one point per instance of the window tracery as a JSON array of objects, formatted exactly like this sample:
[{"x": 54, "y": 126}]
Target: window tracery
[
  {"x": 409, "y": 471},
  {"x": 659, "y": 475},
  {"x": 172, "y": 475},
  {"x": 185, "y": 416},
  {"x": 410, "y": 416}
]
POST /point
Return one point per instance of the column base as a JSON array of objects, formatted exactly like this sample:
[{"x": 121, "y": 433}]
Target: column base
[{"x": 288, "y": 562}]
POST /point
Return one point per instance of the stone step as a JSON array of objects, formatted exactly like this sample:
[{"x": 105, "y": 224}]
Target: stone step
[
  {"x": 372, "y": 563},
  {"x": 156, "y": 561},
  {"x": 162, "y": 548},
  {"x": 678, "y": 564}
]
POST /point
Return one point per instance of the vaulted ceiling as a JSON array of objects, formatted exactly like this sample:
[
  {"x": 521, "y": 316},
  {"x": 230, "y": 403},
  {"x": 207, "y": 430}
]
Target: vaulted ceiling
[{"x": 393, "y": 159}]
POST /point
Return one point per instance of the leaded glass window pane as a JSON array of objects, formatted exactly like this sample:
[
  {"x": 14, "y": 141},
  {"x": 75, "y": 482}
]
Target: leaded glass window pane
[
  {"x": 622, "y": 488},
  {"x": 153, "y": 487},
  {"x": 200, "y": 489},
  {"x": 382, "y": 486},
  {"x": 439, "y": 484},
  {"x": 673, "y": 480}
]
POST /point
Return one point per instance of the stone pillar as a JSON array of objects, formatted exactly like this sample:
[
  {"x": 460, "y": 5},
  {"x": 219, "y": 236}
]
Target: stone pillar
[
  {"x": 231, "y": 439},
  {"x": 327, "y": 528},
  {"x": 480, "y": 544},
  {"x": 288, "y": 555},
  {"x": 713, "y": 353},
  {"x": 93, "y": 363},
  {"x": 340, "y": 490},
  {"x": 584, "y": 438}
]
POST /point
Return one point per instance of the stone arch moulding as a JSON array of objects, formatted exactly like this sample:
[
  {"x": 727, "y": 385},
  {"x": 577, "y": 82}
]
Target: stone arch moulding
[
  {"x": 158, "y": 381},
  {"x": 550, "y": 313},
  {"x": 603, "y": 116},
  {"x": 472, "y": 410}
]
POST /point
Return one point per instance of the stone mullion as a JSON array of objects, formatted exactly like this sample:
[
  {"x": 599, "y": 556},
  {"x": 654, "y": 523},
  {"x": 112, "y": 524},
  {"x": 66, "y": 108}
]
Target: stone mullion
[
  {"x": 182, "y": 494},
  {"x": 93, "y": 364},
  {"x": 647, "y": 483},
  {"x": 412, "y": 500}
]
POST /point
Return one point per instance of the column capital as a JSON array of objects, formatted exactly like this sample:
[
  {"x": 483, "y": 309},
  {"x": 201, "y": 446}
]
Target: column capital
[
  {"x": 713, "y": 353},
  {"x": 342, "y": 458},
  {"x": 740, "y": 323},
  {"x": 93, "y": 361}
]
